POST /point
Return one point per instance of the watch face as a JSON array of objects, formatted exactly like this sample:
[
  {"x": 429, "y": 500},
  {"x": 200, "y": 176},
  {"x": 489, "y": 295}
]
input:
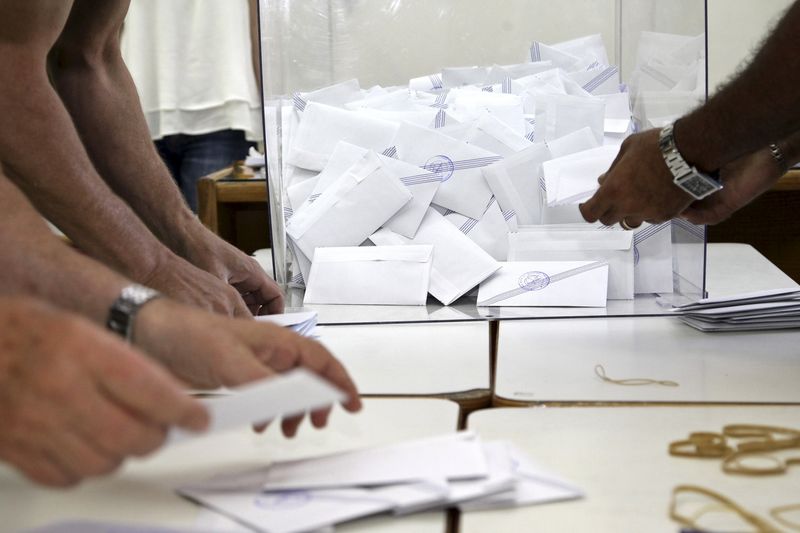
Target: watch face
[{"x": 699, "y": 186}]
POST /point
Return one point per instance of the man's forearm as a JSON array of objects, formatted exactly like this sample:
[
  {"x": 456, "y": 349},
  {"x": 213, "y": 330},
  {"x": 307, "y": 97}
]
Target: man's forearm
[
  {"x": 759, "y": 106},
  {"x": 41, "y": 151},
  {"x": 96, "y": 87},
  {"x": 43, "y": 266}
]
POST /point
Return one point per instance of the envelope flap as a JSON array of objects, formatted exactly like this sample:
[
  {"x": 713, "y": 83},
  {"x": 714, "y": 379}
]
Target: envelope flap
[
  {"x": 574, "y": 240},
  {"x": 406, "y": 254}
]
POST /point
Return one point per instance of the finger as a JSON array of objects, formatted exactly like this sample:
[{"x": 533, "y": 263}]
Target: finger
[
  {"x": 593, "y": 208},
  {"x": 321, "y": 361},
  {"x": 78, "y": 457},
  {"x": 319, "y": 418},
  {"x": 601, "y": 179},
  {"x": 115, "y": 431},
  {"x": 38, "y": 467},
  {"x": 611, "y": 217},
  {"x": 239, "y": 365},
  {"x": 289, "y": 425},
  {"x": 138, "y": 385},
  {"x": 632, "y": 222},
  {"x": 262, "y": 290}
]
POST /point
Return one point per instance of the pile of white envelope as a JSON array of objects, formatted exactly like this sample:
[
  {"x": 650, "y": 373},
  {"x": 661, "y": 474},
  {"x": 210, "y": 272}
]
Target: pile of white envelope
[
  {"x": 457, "y": 470},
  {"x": 752, "y": 311},
  {"x": 472, "y": 177}
]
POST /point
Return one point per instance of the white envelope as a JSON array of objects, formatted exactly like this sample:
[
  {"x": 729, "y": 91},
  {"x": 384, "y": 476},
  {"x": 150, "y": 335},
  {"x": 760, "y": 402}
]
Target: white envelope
[
  {"x": 569, "y": 144},
  {"x": 590, "y": 48},
  {"x": 335, "y": 95},
  {"x": 611, "y": 246},
  {"x": 469, "y": 104},
  {"x": 558, "y": 115},
  {"x": 459, "y": 76},
  {"x": 490, "y": 232},
  {"x": 432, "y": 82},
  {"x": 421, "y": 184},
  {"x": 572, "y": 179},
  {"x": 495, "y": 136},
  {"x": 291, "y": 511},
  {"x": 546, "y": 284},
  {"x": 323, "y": 126},
  {"x": 288, "y": 394},
  {"x": 598, "y": 81},
  {"x": 458, "y": 164},
  {"x": 370, "y": 275},
  {"x": 350, "y": 210},
  {"x": 458, "y": 263},
  {"x": 652, "y": 246},
  {"x": 515, "y": 183},
  {"x": 564, "y": 60},
  {"x": 451, "y": 457}
]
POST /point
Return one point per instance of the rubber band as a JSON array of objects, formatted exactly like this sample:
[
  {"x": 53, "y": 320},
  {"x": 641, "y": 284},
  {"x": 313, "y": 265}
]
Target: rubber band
[
  {"x": 701, "y": 444},
  {"x": 635, "y": 382},
  {"x": 721, "y": 502},
  {"x": 777, "y": 514}
]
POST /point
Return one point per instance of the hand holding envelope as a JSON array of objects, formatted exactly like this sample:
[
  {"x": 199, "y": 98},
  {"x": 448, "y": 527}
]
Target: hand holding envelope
[
  {"x": 370, "y": 275},
  {"x": 573, "y": 178}
]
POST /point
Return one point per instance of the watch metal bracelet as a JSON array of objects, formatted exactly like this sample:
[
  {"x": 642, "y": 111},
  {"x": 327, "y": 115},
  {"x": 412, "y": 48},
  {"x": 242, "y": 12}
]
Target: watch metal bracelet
[{"x": 122, "y": 314}]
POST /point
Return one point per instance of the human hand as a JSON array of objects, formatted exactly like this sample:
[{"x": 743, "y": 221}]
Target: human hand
[
  {"x": 744, "y": 179},
  {"x": 75, "y": 401},
  {"x": 209, "y": 252},
  {"x": 209, "y": 351},
  {"x": 637, "y": 187},
  {"x": 184, "y": 282}
]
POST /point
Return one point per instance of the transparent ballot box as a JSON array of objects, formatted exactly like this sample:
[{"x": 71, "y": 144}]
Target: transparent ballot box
[{"x": 423, "y": 154}]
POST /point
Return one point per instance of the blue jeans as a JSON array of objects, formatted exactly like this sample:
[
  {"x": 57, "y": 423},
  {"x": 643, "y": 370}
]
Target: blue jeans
[{"x": 190, "y": 157}]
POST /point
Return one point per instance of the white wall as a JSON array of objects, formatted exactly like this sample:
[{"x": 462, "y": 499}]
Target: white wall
[
  {"x": 735, "y": 27},
  {"x": 316, "y": 42}
]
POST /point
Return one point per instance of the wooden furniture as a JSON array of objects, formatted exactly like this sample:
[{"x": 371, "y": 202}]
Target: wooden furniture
[
  {"x": 771, "y": 224},
  {"x": 235, "y": 209}
]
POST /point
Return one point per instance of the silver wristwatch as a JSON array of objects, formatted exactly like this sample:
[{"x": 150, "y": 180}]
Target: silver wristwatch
[
  {"x": 123, "y": 311},
  {"x": 697, "y": 184}
]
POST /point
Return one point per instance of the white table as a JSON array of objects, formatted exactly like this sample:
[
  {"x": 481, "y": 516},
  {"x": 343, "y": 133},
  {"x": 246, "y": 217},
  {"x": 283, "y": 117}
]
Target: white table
[
  {"x": 553, "y": 360},
  {"x": 618, "y": 455},
  {"x": 413, "y": 359},
  {"x": 142, "y": 493}
]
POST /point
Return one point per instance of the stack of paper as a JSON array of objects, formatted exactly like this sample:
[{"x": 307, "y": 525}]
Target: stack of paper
[
  {"x": 457, "y": 160},
  {"x": 452, "y": 470},
  {"x": 301, "y": 322},
  {"x": 764, "y": 310}
]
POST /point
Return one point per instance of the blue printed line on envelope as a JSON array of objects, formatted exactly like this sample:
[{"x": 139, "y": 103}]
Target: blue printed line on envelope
[
  {"x": 299, "y": 102},
  {"x": 536, "y": 53},
  {"x": 536, "y": 281},
  {"x": 645, "y": 234},
  {"x": 598, "y": 80},
  {"x": 696, "y": 231},
  {"x": 436, "y": 81}
]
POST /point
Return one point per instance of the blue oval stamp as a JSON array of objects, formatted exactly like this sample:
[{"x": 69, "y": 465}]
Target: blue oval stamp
[
  {"x": 282, "y": 500},
  {"x": 441, "y": 165},
  {"x": 534, "y": 281}
]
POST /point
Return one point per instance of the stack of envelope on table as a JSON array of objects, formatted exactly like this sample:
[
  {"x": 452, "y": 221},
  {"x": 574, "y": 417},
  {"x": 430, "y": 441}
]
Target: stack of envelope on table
[
  {"x": 457, "y": 470},
  {"x": 457, "y": 163},
  {"x": 753, "y": 311}
]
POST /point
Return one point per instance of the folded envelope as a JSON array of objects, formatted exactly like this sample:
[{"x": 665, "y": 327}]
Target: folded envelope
[
  {"x": 611, "y": 246},
  {"x": 370, "y": 275},
  {"x": 490, "y": 232},
  {"x": 515, "y": 183},
  {"x": 335, "y": 95},
  {"x": 572, "y": 179},
  {"x": 590, "y": 48},
  {"x": 495, "y": 136},
  {"x": 546, "y": 284},
  {"x": 420, "y": 183},
  {"x": 459, "y": 264},
  {"x": 349, "y": 210},
  {"x": 323, "y": 126},
  {"x": 457, "y": 164}
]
